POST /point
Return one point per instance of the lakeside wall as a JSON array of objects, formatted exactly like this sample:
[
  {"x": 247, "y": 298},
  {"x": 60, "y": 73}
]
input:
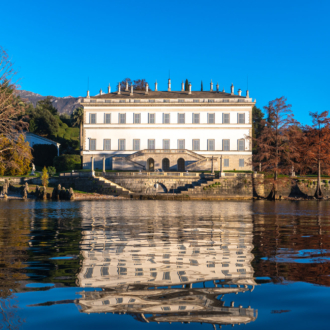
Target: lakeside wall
[{"x": 189, "y": 185}]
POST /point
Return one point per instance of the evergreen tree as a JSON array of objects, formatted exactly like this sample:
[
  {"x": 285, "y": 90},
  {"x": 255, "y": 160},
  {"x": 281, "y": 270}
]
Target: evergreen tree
[
  {"x": 44, "y": 177},
  {"x": 186, "y": 86},
  {"x": 202, "y": 86}
]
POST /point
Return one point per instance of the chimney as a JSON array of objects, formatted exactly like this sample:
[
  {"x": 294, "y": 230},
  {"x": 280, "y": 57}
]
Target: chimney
[
  {"x": 232, "y": 89},
  {"x": 156, "y": 85},
  {"x": 101, "y": 93},
  {"x": 131, "y": 94},
  {"x": 169, "y": 85},
  {"x": 118, "y": 88},
  {"x": 239, "y": 92},
  {"x": 182, "y": 86},
  {"x": 223, "y": 90},
  {"x": 247, "y": 94},
  {"x": 189, "y": 92},
  {"x": 126, "y": 89},
  {"x": 211, "y": 86},
  {"x": 147, "y": 88},
  {"x": 109, "y": 89},
  {"x": 217, "y": 87}
]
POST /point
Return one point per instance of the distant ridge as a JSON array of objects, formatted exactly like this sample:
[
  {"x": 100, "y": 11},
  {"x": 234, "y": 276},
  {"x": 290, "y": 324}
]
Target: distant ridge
[{"x": 63, "y": 104}]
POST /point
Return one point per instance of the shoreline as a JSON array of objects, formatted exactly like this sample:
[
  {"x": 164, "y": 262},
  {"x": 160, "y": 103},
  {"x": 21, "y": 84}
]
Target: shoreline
[{"x": 169, "y": 197}]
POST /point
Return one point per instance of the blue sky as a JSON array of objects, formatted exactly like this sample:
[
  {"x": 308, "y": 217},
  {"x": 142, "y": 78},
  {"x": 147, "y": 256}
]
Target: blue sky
[{"x": 281, "y": 46}]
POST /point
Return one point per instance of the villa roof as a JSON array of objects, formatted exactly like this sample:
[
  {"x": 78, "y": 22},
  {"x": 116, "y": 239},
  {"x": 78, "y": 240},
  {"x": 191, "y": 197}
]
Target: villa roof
[{"x": 166, "y": 95}]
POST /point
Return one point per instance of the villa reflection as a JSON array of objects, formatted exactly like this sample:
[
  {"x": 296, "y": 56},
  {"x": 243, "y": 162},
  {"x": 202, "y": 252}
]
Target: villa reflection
[{"x": 167, "y": 269}]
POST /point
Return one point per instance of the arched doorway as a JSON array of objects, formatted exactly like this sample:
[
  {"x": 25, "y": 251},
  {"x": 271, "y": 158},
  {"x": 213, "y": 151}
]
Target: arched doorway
[
  {"x": 181, "y": 165},
  {"x": 150, "y": 164},
  {"x": 166, "y": 164}
]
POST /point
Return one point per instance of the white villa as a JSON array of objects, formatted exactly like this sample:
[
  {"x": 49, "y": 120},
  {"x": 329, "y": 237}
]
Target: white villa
[{"x": 168, "y": 130}]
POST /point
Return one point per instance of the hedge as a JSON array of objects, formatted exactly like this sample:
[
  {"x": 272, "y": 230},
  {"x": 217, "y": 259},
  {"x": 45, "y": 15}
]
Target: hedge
[
  {"x": 67, "y": 163},
  {"x": 44, "y": 154}
]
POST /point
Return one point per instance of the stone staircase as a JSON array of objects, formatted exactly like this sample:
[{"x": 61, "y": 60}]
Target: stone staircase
[
  {"x": 196, "y": 187},
  {"x": 108, "y": 187}
]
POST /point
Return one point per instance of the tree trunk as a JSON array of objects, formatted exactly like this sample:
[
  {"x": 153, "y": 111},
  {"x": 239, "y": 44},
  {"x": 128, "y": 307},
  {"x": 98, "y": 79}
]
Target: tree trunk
[
  {"x": 81, "y": 136},
  {"x": 318, "y": 192},
  {"x": 272, "y": 193},
  {"x": 81, "y": 143}
]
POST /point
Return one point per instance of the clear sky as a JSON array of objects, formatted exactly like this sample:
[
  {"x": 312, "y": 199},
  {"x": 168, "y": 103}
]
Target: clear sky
[{"x": 282, "y": 46}]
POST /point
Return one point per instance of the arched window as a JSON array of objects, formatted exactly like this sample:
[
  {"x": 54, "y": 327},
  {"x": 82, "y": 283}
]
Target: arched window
[
  {"x": 150, "y": 164},
  {"x": 166, "y": 164},
  {"x": 181, "y": 165}
]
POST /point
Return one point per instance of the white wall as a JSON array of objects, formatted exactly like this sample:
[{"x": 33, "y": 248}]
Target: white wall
[{"x": 173, "y": 134}]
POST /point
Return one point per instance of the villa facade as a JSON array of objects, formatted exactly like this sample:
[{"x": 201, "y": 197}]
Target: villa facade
[{"x": 168, "y": 130}]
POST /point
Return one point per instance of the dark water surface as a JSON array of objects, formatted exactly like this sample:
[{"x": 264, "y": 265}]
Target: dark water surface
[{"x": 159, "y": 264}]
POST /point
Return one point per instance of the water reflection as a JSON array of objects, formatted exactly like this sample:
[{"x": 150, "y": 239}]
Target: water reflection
[
  {"x": 292, "y": 242},
  {"x": 161, "y": 267}
]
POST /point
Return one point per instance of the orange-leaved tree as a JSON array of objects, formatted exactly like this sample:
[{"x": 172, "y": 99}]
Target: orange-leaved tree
[
  {"x": 12, "y": 110},
  {"x": 274, "y": 150},
  {"x": 314, "y": 147}
]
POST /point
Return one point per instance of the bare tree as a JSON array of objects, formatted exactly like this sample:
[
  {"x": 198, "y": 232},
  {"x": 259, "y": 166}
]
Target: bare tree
[
  {"x": 12, "y": 111},
  {"x": 274, "y": 150},
  {"x": 138, "y": 85},
  {"x": 314, "y": 147}
]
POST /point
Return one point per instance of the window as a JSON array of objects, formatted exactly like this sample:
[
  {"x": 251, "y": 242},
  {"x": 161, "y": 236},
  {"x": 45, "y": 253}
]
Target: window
[
  {"x": 210, "y": 145},
  {"x": 211, "y": 118},
  {"x": 226, "y": 162},
  {"x": 241, "y": 163},
  {"x": 93, "y": 118},
  {"x": 166, "y": 144},
  {"x": 136, "y": 144},
  {"x": 107, "y": 144},
  {"x": 122, "y": 144},
  {"x": 181, "y": 144},
  {"x": 166, "y": 118},
  {"x": 195, "y": 118},
  {"x": 241, "y": 145},
  {"x": 122, "y": 118},
  {"x": 181, "y": 118},
  {"x": 226, "y": 145},
  {"x": 226, "y": 118},
  {"x": 137, "y": 118},
  {"x": 151, "y": 118},
  {"x": 92, "y": 144},
  {"x": 196, "y": 145},
  {"x": 241, "y": 118},
  {"x": 151, "y": 144},
  {"x": 107, "y": 118}
]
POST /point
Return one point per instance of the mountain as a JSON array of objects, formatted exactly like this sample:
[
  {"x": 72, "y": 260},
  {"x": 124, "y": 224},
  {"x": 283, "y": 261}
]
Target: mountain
[{"x": 62, "y": 104}]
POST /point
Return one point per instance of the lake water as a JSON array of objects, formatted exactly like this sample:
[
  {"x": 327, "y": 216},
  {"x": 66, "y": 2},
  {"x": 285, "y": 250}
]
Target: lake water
[{"x": 159, "y": 264}]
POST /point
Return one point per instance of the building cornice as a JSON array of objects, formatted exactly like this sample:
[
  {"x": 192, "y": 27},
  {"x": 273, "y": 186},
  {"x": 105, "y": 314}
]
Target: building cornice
[{"x": 173, "y": 126}]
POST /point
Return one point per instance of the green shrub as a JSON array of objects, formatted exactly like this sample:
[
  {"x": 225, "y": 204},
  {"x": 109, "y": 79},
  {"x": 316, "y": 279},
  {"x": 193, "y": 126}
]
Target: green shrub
[
  {"x": 67, "y": 163},
  {"x": 43, "y": 154},
  {"x": 51, "y": 170}
]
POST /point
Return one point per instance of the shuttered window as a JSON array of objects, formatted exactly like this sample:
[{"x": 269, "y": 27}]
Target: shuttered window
[
  {"x": 92, "y": 144},
  {"x": 151, "y": 144},
  {"x": 93, "y": 118},
  {"x": 107, "y": 144},
  {"x": 196, "y": 144},
  {"x": 226, "y": 118},
  {"x": 210, "y": 145},
  {"x": 226, "y": 145},
  {"x": 181, "y": 144},
  {"x": 136, "y": 144},
  {"x": 211, "y": 118},
  {"x": 122, "y": 144},
  {"x": 108, "y": 118}
]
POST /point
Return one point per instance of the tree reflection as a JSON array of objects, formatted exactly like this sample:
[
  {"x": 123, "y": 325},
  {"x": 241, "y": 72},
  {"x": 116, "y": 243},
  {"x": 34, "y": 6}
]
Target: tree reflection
[{"x": 292, "y": 247}]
